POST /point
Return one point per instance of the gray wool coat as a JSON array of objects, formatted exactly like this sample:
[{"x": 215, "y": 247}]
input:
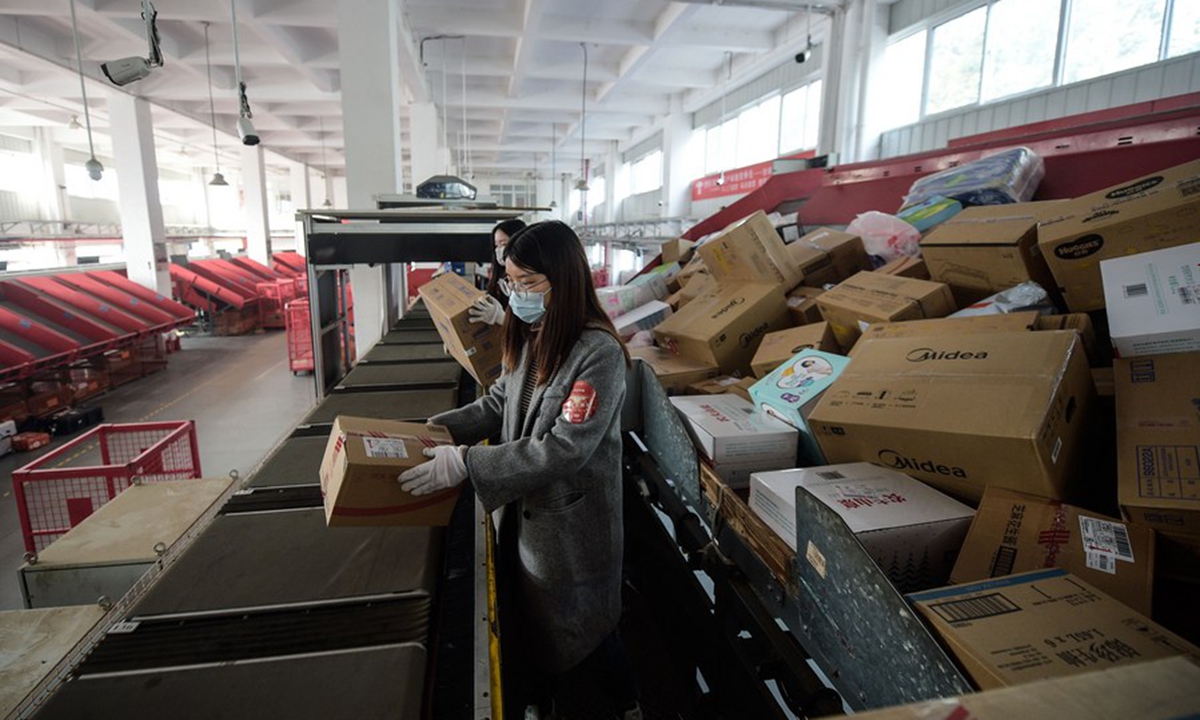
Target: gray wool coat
[{"x": 561, "y": 470}]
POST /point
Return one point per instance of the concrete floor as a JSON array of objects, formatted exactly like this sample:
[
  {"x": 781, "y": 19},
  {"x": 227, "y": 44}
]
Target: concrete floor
[{"x": 238, "y": 390}]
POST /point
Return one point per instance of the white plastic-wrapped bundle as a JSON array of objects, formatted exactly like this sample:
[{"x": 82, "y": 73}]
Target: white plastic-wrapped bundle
[{"x": 1010, "y": 176}]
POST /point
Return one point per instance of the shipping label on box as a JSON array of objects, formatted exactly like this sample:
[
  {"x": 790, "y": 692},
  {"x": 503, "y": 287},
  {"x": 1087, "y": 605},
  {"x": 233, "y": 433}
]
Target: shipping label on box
[
  {"x": 725, "y": 328},
  {"x": 362, "y": 461},
  {"x": 869, "y": 297},
  {"x": 1158, "y": 441},
  {"x": 910, "y": 530},
  {"x": 1006, "y": 409},
  {"x": 734, "y": 438},
  {"x": 478, "y": 347},
  {"x": 750, "y": 251},
  {"x": 989, "y": 249},
  {"x": 1149, "y": 213},
  {"x": 791, "y": 391},
  {"x": 1016, "y": 532},
  {"x": 674, "y": 372},
  {"x": 1153, "y": 301},
  {"x": 778, "y": 347},
  {"x": 1039, "y": 625}
]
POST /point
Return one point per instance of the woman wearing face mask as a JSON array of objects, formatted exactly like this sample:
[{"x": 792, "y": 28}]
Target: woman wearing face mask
[
  {"x": 490, "y": 308},
  {"x": 556, "y": 472}
]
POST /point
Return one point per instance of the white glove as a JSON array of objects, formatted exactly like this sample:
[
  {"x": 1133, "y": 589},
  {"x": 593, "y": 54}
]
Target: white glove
[
  {"x": 486, "y": 309},
  {"x": 446, "y": 470}
]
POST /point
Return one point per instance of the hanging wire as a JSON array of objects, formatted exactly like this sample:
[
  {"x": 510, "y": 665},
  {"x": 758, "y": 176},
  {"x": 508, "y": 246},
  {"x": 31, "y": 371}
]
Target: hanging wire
[
  {"x": 466, "y": 142},
  {"x": 212, "y": 108},
  {"x": 93, "y": 165},
  {"x": 721, "y": 135},
  {"x": 583, "y": 126},
  {"x": 324, "y": 162}
]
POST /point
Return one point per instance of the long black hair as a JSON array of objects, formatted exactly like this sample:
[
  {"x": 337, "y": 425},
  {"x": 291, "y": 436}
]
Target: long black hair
[
  {"x": 553, "y": 249},
  {"x": 509, "y": 228}
]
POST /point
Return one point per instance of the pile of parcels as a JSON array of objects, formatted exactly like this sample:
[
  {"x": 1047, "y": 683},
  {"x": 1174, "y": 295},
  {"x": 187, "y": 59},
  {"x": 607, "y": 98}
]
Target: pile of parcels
[{"x": 958, "y": 409}]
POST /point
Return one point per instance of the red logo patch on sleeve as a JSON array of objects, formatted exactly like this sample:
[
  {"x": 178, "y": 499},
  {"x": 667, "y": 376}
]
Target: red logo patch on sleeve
[{"x": 580, "y": 406}]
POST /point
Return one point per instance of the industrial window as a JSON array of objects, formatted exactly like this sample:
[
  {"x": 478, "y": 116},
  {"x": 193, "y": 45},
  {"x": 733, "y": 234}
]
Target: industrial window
[
  {"x": 758, "y": 133},
  {"x": 20, "y": 172},
  {"x": 81, "y": 186},
  {"x": 799, "y": 119},
  {"x": 596, "y": 192},
  {"x": 512, "y": 195},
  {"x": 646, "y": 173},
  {"x": 622, "y": 189},
  {"x": 955, "y": 59},
  {"x": 1022, "y": 37},
  {"x": 1106, "y": 36},
  {"x": 720, "y": 146},
  {"x": 1000, "y": 48}
]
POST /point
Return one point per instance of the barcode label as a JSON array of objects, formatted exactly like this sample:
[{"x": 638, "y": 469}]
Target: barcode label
[
  {"x": 1105, "y": 538},
  {"x": 1103, "y": 562},
  {"x": 1189, "y": 187},
  {"x": 975, "y": 608},
  {"x": 830, "y": 475},
  {"x": 1187, "y": 295},
  {"x": 1133, "y": 291},
  {"x": 385, "y": 448},
  {"x": 123, "y": 627},
  {"x": 1006, "y": 558}
]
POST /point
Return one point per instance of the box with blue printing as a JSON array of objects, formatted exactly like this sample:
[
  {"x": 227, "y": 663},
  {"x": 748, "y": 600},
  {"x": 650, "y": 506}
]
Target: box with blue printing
[{"x": 791, "y": 391}]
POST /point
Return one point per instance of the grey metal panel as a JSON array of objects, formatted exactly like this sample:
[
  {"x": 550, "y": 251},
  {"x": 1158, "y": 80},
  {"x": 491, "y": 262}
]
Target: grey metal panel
[
  {"x": 1124, "y": 90},
  {"x": 667, "y": 439},
  {"x": 956, "y": 127},
  {"x": 377, "y": 683},
  {"x": 391, "y": 405},
  {"x": 444, "y": 374},
  {"x": 1037, "y": 108},
  {"x": 1177, "y": 78},
  {"x": 987, "y": 120},
  {"x": 295, "y": 462},
  {"x": 970, "y": 123},
  {"x": 1150, "y": 83},
  {"x": 1076, "y": 100},
  {"x": 404, "y": 353},
  {"x": 1099, "y": 94},
  {"x": 411, "y": 337},
  {"x": 291, "y": 557},
  {"x": 1056, "y": 104},
  {"x": 1018, "y": 113},
  {"x": 941, "y": 133},
  {"x": 1002, "y": 116},
  {"x": 45, "y": 587}
]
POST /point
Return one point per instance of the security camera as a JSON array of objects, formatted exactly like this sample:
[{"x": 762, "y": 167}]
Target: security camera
[
  {"x": 247, "y": 132},
  {"x": 126, "y": 70},
  {"x": 803, "y": 56},
  {"x": 131, "y": 69}
]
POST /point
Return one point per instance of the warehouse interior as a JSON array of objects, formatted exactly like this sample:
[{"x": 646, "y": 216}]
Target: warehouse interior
[{"x": 910, "y": 288}]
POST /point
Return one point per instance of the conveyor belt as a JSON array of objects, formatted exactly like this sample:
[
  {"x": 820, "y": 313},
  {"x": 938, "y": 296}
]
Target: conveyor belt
[
  {"x": 378, "y": 683},
  {"x": 295, "y": 462},
  {"x": 83, "y": 340},
  {"x": 415, "y": 405},
  {"x": 414, "y": 322},
  {"x": 291, "y": 557},
  {"x": 25, "y": 344},
  {"x": 411, "y": 337},
  {"x": 405, "y": 354},
  {"x": 424, "y": 375}
]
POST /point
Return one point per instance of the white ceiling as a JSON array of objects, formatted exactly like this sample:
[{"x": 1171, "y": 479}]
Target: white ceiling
[{"x": 521, "y": 61}]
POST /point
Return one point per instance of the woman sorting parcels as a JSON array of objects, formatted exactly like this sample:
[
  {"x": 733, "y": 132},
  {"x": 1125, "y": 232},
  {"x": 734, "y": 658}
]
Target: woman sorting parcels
[
  {"x": 490, "y": 308},
  {"x": 556, "y": 471}
]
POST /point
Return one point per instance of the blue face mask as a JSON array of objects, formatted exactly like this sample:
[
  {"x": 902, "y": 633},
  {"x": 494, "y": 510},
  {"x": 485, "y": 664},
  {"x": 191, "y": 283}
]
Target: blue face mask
[{"x": 529, "y": 307}]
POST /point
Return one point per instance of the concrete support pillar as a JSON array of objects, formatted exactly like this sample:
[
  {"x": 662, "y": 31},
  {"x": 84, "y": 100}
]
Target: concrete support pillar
[
  {"x": 136, "y": 166},
  {"x": 678, "y": 167},
  {"x": 301, "y": 198},
  {"x": 426, "y": 138},
  {"x": 254, "y": 194},
  {"x": 369, "y": 54},
  {"x": 52, "y": 195},
  {"x": 857, "y": 41},
  {"x": 612, "y": 165}
]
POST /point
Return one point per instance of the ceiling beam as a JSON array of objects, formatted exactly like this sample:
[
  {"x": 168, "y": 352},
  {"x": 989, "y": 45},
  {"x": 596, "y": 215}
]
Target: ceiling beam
[{"x": 282, "y": 42}]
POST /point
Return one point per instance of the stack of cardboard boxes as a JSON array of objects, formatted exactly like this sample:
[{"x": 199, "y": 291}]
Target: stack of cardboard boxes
[{"x": 975, "y": 444}]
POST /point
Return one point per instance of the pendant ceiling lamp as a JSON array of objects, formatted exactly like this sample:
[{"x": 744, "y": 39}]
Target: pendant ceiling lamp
[
  {"x": 218, "y": 179},
  {"x": 324, "y": 165},
  {"x": 94, "y": 169}
]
